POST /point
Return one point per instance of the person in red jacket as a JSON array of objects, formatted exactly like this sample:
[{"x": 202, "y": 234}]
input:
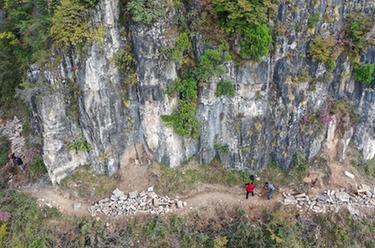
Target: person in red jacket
[{"x": 250, "y": 187}]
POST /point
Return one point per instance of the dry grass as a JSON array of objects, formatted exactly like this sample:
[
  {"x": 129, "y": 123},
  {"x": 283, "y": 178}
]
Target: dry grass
[{"x": 85, "y": 183}]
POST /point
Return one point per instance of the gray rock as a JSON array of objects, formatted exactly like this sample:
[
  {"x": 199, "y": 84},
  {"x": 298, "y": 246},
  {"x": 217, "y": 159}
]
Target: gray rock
[
  {"x": 363, "y": 188},
  {"x": 155, "y": 202},
  {"x": 348, "y": 174},
  {"x": 133, "y": 195},
  {"x": 180, "y": 204},
  {"x": 118, "y": 193},
  {"x": 290, "y": 201},
  {"x": 353, "y": 211},
  {"x": 343, "y": 196}
]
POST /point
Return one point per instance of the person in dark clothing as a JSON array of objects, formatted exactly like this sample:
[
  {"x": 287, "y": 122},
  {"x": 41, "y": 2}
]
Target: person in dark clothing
[
  {"x": 250, "y": 187},
  {"x": 252, "y": 178},
  {"x": 17, "y": 161}
]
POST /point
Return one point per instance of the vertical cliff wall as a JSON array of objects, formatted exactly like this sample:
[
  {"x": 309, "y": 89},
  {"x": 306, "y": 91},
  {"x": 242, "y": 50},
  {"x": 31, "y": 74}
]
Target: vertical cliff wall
[{"x": 280, "y": 105}]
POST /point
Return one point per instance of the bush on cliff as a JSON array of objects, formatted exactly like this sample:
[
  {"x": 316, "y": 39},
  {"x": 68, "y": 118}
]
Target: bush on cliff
[
  {"x": 364, "y": 73},
  {"x": 146, "y": 11},
  {"x": 184, "y": 120},
  {"x": 325, "y": 50},
  {"x": 69, "y": 27},
  {"x": 358, "y": 25},
  {"x": 249, "y": 20}
]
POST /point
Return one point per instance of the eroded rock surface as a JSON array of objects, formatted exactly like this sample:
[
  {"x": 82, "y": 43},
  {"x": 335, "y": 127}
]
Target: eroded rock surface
[{"x": 269, "y": 118}]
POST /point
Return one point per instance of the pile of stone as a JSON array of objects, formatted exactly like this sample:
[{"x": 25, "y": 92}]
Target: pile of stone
[
  {"x": 333, "y": 200},
  {"x": 132, "y": 203}
]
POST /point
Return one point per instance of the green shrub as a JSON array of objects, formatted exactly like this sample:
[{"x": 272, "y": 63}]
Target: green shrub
[
  {"x": 249, "y": 19},
  {"x": 225, "y": 88},
  {"x": 358, "y": 25},
  {"x": 184, "y": 120},
  {"x": 222, "y": 148},
  {"x": 183, "y": 44},
  {"x": 89, "y": 3},
  {"x": 325, "y": 50},
  {"x": 369, "y": 168},
  {"x": 29, "y": 225},
  {"x": 146, "y": 11},
  {"x": 4, "y": 151},
  {"x": 302, "y": 76},
  {"x": 211, "y": 63},
  {"x": 364, "y": 73},
  {"x": 24, "y": 39},
  {"x": 86, "y": 183},
  {"x": 220, "y": 242},
  {"x": 342, "y": 108},
  {"x": 299, "y": 167},
  {"x": 256, "y": 41},
  {"x": 79, "y": 145},
  {"x": 186, "y": 87},
  {"x": 125, "y": 61},
  {"x": 28, "y": 22},
  {"x": 70, "y": 27},
  {"x": 10, "y": 75},
  {"x": 291, "y": 176},
  {"x": 37, "y": 168},
  {"x": 3, "y": 232},
  {"x": 313, "y": 20},
  {"x": 156, "y": 229}
]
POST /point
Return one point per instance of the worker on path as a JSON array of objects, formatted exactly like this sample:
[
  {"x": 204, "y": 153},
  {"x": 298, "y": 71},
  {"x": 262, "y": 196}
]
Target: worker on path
[
  {"x": 250, "y": 187},
  {"x": 17, "y": 161},
  {"x": 270, "y": 188}
]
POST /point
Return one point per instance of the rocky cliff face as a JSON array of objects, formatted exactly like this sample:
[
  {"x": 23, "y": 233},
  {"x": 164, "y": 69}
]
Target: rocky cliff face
[{"x": 271, "y": 117}]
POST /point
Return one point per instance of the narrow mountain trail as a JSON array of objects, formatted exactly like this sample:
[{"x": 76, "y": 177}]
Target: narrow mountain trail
[
  {"x": 51, "y": 197},
  {"x": 202, "y": 197}
]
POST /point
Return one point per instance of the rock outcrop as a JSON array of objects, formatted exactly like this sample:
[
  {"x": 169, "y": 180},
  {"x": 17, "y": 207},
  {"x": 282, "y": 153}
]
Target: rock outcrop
[{"x": 269, "y": 118}]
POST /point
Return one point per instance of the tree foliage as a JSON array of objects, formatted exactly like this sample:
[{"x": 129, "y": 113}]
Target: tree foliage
[
  {"x": 184, "y": 120},
  {"x": 146, "y": 11},
  {"x": 313, "y": 20},
  {"x": 183, "y": 44},
  {"x": 24, "y": 39},
  {"x": 325, "y": 50},
  {"x": 69, "y": 27},
  {"x": 211, "y": 63},
  {"x": 225, "y": 88},
  {"x": 249, "y": 19},
  {"x": 364, "y": 73},
  {"x": 358, "y": 26}
]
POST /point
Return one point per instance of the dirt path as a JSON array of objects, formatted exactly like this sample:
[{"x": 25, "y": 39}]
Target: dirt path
[
  {"x": 201, "y": 197},
  {"x": 49, "y": 196}
]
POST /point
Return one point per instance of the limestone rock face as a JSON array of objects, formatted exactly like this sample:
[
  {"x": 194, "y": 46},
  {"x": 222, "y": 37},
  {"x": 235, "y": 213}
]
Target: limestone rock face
[{"x": 270, "y": 117}]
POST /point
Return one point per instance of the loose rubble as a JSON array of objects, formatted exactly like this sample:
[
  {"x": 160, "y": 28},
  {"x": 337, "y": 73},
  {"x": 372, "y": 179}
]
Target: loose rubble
[
  {"x": 144, "y": 202},
  {"x": 348, "y": 174},
  {"x": 333, "y": 200}
]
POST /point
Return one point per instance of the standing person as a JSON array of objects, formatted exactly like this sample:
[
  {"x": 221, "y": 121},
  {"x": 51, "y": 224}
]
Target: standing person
[
  {"x": 250, "y": 187},
  {"x": 270, "y": 189},
  {"x": 17, "y": 161},
  {"x": 252, "y": 178}
]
